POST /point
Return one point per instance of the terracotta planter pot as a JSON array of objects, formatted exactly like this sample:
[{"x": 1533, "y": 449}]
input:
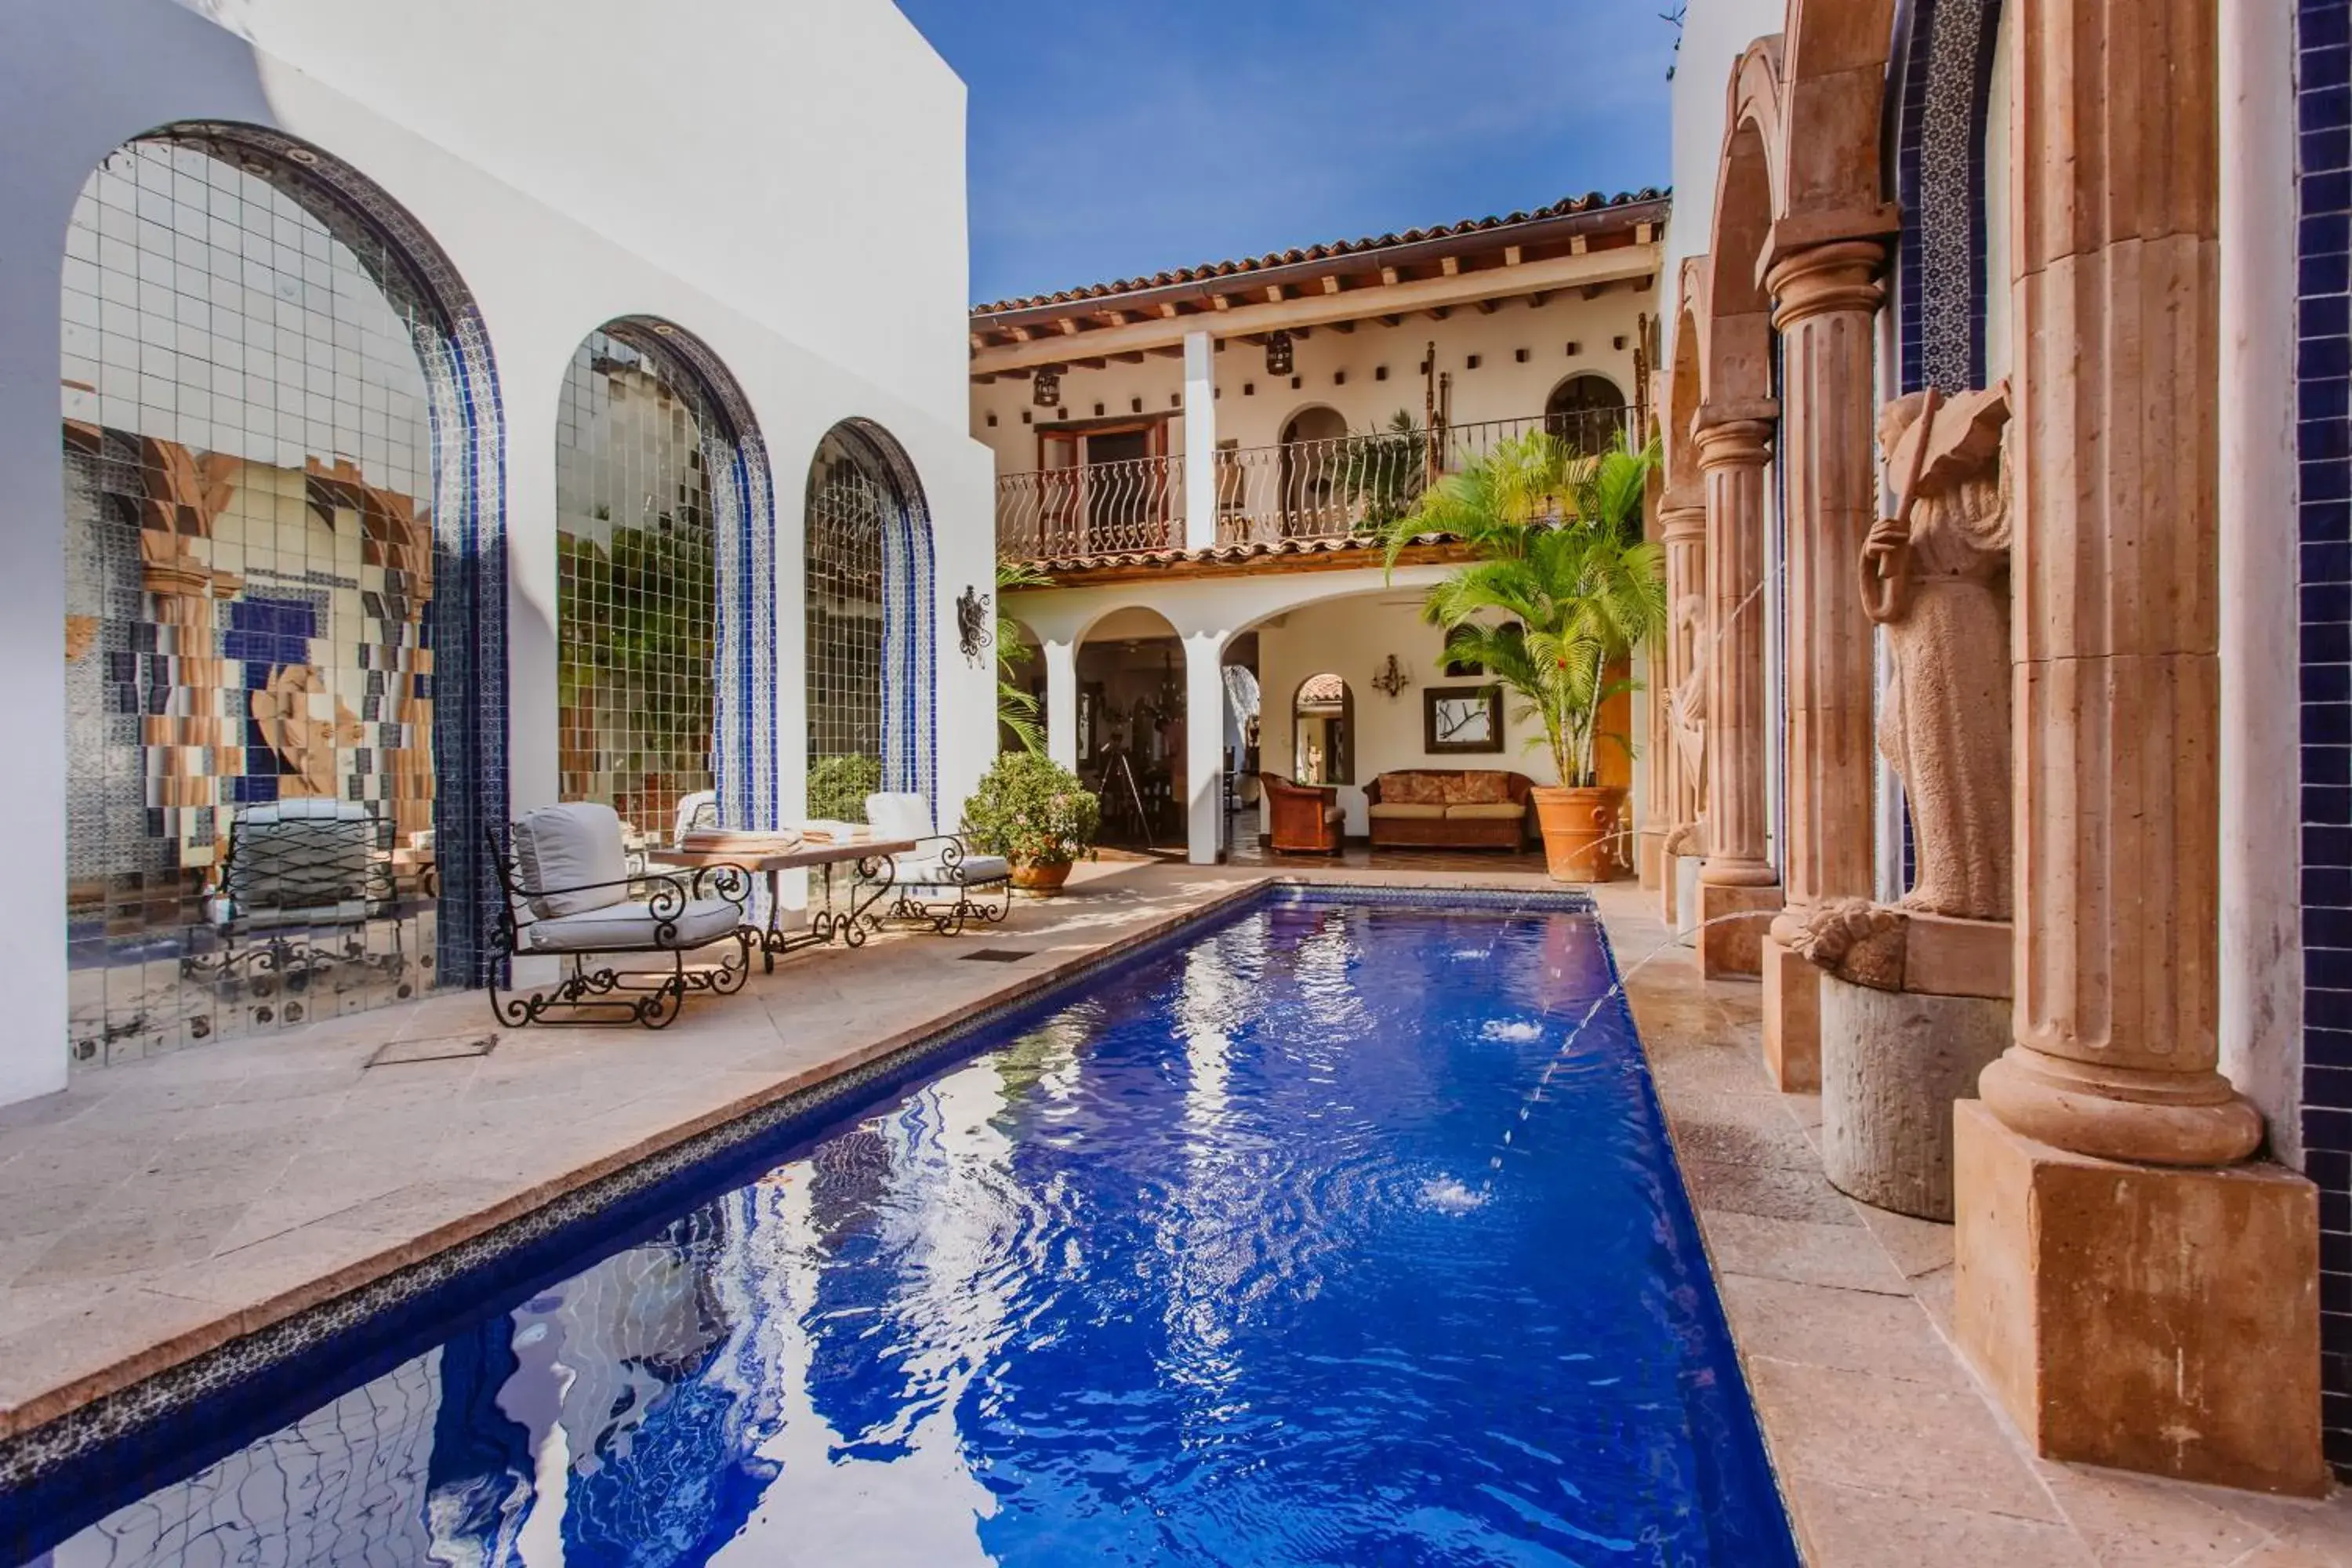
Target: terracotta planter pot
[
  {"x": 1041, "y": 881},
  {"x": 1579, "y": 831}
]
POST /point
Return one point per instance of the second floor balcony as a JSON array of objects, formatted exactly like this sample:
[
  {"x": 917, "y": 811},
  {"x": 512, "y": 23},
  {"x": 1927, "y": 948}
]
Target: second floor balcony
[{"x": 1312, "y": 486}]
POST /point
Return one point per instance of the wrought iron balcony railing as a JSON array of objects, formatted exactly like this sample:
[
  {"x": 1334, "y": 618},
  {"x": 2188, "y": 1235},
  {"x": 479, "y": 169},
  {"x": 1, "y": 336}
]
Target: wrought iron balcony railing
[
  {"x": 1325, "y": 488},
  {"x": 1098, "y": 509}
]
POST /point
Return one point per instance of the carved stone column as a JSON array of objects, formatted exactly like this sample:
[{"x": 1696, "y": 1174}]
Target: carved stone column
[
  {"x": 2133, "y": 1301},
  {"x": 1739, "y": 878},
  {"x": 1682, "y": 529},
  {"x": 1828, "y": 300}
]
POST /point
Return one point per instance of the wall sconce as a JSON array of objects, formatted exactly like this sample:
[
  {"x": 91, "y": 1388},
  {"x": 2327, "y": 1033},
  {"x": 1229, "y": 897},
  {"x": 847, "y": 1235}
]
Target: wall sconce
[
  {"x": 1045, "y": 388},
  {"x": 1277, "y": 354},
  {"x": 973, "y": 633},
  {"x": 1391, "y": 678}
]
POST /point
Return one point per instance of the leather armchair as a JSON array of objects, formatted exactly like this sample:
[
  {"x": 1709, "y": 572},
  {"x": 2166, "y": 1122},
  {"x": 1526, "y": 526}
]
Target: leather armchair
[{"x": 1303, "y": 819}]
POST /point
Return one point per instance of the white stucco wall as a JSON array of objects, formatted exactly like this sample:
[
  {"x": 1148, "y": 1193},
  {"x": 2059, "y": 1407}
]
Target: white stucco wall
[
  {"x": 1715, "y": 33},
  {"x": 576, "y": 162}
]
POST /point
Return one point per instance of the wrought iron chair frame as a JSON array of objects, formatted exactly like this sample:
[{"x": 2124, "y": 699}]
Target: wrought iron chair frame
[
  {"x": 261, "y": 958},
  {"x": 948, "y": 919},
  {"x": 610, "y": 996}
]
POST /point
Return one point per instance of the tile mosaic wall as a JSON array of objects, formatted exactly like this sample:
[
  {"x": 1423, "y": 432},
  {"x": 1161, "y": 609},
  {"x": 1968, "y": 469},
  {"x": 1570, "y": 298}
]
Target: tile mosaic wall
[
  {"x": 247, "y": 391},
  {"x": 2324, "y": 387}
]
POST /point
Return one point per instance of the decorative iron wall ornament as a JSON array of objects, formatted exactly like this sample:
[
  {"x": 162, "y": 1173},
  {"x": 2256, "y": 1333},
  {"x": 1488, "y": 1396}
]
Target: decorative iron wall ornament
[
  {"x": 1278, "y": 355},
  {"x": 973, "y": 633},
  {"x": 1391, "y": 678},
  {"x": 1045, "y": 387}
]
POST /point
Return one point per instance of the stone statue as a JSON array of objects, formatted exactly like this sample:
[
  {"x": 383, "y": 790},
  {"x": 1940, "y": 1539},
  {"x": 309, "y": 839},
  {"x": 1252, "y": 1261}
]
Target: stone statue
[
  {"x": 1686, "y": 703},
  {"x": 1935, "y": 576}
]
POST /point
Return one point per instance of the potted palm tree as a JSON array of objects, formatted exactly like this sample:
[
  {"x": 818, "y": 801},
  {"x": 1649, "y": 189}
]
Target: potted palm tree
[{"x": 1561, "y": 591}]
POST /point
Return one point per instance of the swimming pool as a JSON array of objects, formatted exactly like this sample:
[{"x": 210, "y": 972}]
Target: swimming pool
[{"x": 1221, "y": 1257}]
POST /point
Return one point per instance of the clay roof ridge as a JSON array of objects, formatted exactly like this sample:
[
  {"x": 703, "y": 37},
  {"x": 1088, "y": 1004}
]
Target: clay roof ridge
[{"x": 1592, "y": 201}]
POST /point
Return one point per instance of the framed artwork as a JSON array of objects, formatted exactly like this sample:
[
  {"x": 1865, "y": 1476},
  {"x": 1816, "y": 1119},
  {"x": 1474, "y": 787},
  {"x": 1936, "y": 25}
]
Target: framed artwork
[{"x": 1461, "y": 720}]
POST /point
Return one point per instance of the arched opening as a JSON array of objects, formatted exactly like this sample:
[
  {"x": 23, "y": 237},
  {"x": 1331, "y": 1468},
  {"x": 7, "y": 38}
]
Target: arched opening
[
  {"x": 1133, "y": 729},
  {"x": 870, "y": 667},
  {"x": 1323, "y": 731},
  {"x": 1586, "y": 411},
  {"x": 665, "y": 624},
  {"x": 285, "y": 615},
  {"x": 1314, "y": 452}
]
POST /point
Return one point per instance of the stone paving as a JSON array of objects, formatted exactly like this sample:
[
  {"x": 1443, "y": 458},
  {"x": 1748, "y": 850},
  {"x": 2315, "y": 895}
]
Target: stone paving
[
  {"x": 155, "y": 1210},
  {"x": 1889, "y": 1451}
]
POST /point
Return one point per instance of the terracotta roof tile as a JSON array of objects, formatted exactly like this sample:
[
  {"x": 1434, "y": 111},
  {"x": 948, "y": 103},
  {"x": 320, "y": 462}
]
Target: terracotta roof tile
[{"x": 1591, "y": 202}]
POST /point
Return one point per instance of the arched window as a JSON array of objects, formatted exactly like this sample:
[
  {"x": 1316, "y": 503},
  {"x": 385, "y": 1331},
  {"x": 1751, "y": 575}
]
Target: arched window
[
  {"x": 869, "y": 649},
  {"x": 1586, "y": 411},
  {"x": 1323, "y": 731},
  {"x": 285, "y": 615},
  {"x": 666, "y": 651}
]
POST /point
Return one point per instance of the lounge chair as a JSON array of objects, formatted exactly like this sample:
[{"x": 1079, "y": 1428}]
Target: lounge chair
[
  {"x": 296, "y": 871},
  {"x": 568, "y": 894},
  {"x": 936, "y": 880}
]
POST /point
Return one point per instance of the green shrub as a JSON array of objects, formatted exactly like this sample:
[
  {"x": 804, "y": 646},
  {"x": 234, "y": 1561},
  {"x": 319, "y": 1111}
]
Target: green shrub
[
  {"x": 837, "y": 787},
  {"x": 1033, "y": 812}
]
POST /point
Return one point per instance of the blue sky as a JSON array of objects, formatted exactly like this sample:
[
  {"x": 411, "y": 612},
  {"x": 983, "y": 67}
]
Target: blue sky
[{"x": 1111, "y": 138}]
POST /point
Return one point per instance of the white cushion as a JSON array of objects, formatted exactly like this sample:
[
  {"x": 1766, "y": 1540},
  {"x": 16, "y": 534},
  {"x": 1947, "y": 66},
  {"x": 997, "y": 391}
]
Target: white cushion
[
  {"x": 931, "y": 871},
  {"x": 571, "y": 845},
  {"x": 899, "y": 817},
  {"x": 631, "y": 925}
]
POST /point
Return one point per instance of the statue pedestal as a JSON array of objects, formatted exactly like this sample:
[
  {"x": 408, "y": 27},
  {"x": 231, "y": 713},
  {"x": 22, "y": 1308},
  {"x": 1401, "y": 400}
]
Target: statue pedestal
[
  {"x": 1912, "y": 1008},
  {"x": 1682, "y": 910},
  {"x": 2145, "y": 1317},
  {"x": 1892, "y": 1063}
]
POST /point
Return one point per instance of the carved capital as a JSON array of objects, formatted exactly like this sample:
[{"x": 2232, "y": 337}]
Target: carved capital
[
  {"x": 1735, "y": 444},
  {"x": 1828, "y": 279}
]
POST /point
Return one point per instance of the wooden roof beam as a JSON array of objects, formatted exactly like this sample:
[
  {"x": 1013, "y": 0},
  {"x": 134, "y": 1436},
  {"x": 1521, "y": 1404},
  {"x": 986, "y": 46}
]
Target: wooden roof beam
[{"x": 1244, "y": 314}]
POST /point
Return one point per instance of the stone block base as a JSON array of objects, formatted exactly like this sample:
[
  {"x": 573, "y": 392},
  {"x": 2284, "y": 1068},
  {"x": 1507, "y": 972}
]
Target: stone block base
[
  {"x": 1792, "y": 1018},
  {"x": 1892, "y": 1065},
  {"x": 2148, "y": 1318},
  {"x": 1734, "y": 947}
]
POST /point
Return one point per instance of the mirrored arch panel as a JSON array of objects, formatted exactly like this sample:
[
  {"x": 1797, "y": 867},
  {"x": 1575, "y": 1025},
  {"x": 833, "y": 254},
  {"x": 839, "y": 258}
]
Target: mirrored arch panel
[
  {"x": 283, "y": 541},
  {"x": 872, "y": 723},
  {"x": 665, "y": 622}
]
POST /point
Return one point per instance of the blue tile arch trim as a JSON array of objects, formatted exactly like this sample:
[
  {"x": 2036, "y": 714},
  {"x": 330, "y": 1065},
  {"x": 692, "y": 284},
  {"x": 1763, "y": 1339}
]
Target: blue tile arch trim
[
  {"x": 2324, "y": 526},
  {"x": 466, "y": 625},
  {"x": 1943, "y": 71},
  {"x": 743, "y": 490},
  {"x": 910, "y": 615}
]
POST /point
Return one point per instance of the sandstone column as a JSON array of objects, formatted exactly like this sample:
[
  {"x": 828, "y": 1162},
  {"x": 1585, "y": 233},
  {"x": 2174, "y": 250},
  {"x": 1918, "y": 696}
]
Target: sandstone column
[
  {"x": 1682, "y": 529},
  {"x": 1737, "y": 878},
  {"x": 2135, "y": 1298},
  {"x": 1828, "y": 300}
]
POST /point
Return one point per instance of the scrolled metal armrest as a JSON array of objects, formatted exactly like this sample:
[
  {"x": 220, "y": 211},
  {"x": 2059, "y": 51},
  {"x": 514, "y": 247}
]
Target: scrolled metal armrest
[{"x": 724, "y": 881}]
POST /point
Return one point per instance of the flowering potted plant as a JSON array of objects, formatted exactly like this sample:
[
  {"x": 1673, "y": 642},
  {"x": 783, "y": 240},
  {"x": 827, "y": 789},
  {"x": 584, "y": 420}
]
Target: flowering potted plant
[{"x": 1035, "y": 813}]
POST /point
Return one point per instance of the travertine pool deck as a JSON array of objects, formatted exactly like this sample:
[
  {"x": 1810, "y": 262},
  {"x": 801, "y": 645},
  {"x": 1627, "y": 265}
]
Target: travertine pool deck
[{"x": 154, "y": 1211}]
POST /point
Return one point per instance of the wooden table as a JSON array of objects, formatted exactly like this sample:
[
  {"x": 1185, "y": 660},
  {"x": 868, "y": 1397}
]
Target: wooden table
[{"x": 870, "y": 857}]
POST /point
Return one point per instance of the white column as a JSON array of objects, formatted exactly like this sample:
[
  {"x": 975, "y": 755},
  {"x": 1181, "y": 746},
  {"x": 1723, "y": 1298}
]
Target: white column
[
  {"x": 2261, "y": 924},
  {"x": 1200, "y": 441},
  {"x": 1205, "y": 743},
  {"x": 1062, "y": 703}
]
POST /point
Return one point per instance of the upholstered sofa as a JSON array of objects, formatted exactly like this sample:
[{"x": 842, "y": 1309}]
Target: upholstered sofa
[{"x": 1433, "y": 808}]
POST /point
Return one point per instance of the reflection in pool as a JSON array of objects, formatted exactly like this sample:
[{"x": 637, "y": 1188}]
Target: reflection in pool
[{"x": 1204, "y": 1268}]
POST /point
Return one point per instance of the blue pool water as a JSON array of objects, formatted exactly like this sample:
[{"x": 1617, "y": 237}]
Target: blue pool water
[{"x": 1203, "y": 1267}]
